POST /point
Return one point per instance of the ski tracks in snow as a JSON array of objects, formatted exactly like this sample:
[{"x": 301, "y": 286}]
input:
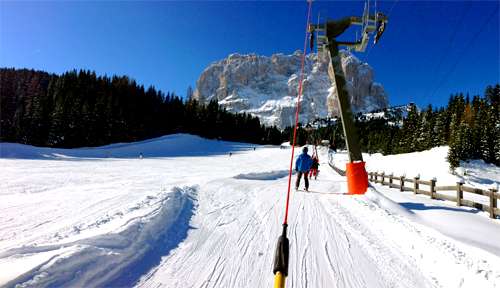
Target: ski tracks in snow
[
  {"x": 335, "y": 250},
  {"x": 223, "y": 232},
  {"x": 235, "y": 231},
  {"x": 113, "y": 259},
  {"x": 229, "y": 241},
  {"x": 336, "y": 240},
  {"x": 446, "y": 262}
]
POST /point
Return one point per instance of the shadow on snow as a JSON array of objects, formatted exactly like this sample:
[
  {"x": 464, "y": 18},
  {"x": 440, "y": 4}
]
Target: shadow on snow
[{"x": 420, "y": 206}]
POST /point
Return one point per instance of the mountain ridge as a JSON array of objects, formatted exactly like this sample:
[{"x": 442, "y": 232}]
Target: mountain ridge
[{"x": 266, "y": 86}]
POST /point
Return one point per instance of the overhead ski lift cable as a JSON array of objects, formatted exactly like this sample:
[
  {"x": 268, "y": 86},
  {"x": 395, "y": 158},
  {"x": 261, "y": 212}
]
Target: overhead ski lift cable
[
  {"x": 466, "y": 48},
  {"x": 392, "y": 8},
  {"x": 446, "y": 51}
]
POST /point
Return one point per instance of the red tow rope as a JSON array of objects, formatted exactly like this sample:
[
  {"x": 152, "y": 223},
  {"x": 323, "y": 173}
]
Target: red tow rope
[
  {"x": 281, "y": 255},
  {"x": 297, "y": 115}
]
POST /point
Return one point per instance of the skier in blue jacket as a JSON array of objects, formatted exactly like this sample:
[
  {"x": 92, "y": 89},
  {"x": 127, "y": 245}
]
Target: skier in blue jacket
[{"x": 302, "y": 166}]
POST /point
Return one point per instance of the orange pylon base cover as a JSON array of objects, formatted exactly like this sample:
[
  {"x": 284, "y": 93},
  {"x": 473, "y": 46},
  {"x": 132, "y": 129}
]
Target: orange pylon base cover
[{"x": 357, "y": 178}]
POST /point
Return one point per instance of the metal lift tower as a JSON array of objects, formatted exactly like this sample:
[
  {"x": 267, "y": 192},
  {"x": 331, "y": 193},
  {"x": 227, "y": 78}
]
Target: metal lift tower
[{"x": 327, "y": 34}]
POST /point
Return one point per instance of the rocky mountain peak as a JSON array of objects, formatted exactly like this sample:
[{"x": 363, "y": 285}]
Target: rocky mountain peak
[{"x": 267, "y": 87}]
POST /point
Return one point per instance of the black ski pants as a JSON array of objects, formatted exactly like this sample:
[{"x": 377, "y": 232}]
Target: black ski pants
[{"x": 299, "y": 175}]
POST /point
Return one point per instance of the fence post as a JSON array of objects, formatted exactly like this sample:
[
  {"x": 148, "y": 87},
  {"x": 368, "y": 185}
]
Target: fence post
[
  {"x": 383, "y": 175},
  {"x": 433, "y": 188},
  {"x": 493, "y": 203},
  {"x": 415, "y": 184},
  {"x": 402, "y": 182},
  {"x": 390, "y": 180},
  {"x": 460, "y": 193},
  {"x": 376, "y": 176}
]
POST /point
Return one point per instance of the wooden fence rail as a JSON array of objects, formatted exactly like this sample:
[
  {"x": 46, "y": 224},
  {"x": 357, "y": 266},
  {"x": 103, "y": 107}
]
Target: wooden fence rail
[{"x": 431, "y": 190}]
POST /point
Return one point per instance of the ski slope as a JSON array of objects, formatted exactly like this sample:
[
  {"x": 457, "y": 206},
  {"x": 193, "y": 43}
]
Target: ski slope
[{"x": 190, "y": 215}]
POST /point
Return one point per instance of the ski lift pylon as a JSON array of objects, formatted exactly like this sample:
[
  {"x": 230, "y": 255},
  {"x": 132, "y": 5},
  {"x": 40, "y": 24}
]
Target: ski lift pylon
[
  {"x": 357, "y": 178},
  {"x": 370, "y": 23}
]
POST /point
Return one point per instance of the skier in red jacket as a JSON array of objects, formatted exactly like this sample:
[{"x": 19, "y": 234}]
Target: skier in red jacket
[{"x": 314, "y": 167}]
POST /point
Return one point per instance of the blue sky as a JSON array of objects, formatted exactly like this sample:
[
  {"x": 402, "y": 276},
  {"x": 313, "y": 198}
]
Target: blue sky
[{"x": 429, "y": 50}]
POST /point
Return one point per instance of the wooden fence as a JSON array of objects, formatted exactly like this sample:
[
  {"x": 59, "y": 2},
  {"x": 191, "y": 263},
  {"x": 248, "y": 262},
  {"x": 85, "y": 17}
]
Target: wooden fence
[
  {"x": 415, "y": 185},
  {"x": 401, "y": 183}
]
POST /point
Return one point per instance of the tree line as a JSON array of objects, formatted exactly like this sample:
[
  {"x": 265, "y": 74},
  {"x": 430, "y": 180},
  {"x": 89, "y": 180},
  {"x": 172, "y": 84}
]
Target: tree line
[
  {"x": 471, "y": 128},
  {"x": 79, "y": 108}
]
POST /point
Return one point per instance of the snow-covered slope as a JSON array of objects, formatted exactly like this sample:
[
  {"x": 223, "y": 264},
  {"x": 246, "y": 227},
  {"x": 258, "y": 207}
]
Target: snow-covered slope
[
  {"x": 429, "y": 164},
  {"x": 442, "y": 215},
  {"x": 267, "y": 86},
  {"x": 183, "y": 219},
  {"x": 166, "y": 146}
]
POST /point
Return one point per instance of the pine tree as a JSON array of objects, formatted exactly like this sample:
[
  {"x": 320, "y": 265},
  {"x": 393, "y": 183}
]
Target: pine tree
[
  {"x": 426, "y": 130},
  {"x": 489, "y": 137},
  {"x": 441, "y": 128},
  {"x": 465, "y": 137},
  {"x": 497, "y": 144},
  {"x": 454, "y": 144},
  {"x": 189, "y": 93},
  {"x": 410, "y": 130},
  {"x": 492, "y": 95}
]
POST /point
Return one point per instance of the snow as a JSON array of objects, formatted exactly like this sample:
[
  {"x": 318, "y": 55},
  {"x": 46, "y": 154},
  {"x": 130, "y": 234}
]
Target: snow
[
  {"x": 444, "y": 216},
  {"x": 166, "y": 146},
  {"x": 190, "y": 215},
  {"x": 374, "y": 115},
  {"x": 479, "y": 173},
  {"x": 429, "y": 164},
  {"x": 432, "y": 164},
  {"x": 126, "y": 254}
]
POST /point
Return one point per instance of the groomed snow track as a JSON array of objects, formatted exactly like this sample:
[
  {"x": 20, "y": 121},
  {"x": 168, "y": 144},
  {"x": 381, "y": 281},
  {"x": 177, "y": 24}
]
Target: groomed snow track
[{"x": 336, "y": 240}]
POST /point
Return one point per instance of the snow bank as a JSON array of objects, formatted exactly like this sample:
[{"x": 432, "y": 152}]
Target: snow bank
[
  {"x": 165, "y": 146},
  {"x": 462, "y": 223},
  {"x": 385, "y": 203},
  {"x": 479, "y": 173},
  {"x": 443, "y": 260},
  {"x": 272, "y": 175},
  {"x": 465, "y": 224},
  {"x": 429, "y": 164},
  {"x": 112, "y": 259}
]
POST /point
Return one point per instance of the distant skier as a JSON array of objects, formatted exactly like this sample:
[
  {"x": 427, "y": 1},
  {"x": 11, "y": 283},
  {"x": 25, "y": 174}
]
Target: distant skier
[
  {"x": 230, "y": 154},
  {"x": 140, "y": 155},
  {"x": 302, "y": 166},
  {"x": 314, "y": 167}
]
